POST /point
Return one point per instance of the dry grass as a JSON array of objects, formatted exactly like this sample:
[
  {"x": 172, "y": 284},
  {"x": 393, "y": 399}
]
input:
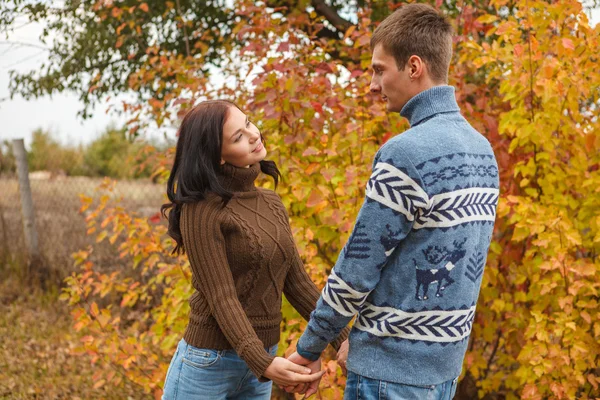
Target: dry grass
[
  {"x": 36, "y": 360},
  {"x": 61, "y": 229}
]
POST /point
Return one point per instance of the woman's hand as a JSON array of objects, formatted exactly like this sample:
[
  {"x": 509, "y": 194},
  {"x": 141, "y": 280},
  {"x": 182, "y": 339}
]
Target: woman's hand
[{"x": 286, "y": 373}]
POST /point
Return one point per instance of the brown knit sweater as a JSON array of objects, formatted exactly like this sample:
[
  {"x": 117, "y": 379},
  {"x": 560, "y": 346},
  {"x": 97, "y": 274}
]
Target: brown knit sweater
[{"x": 243, "y": 257}]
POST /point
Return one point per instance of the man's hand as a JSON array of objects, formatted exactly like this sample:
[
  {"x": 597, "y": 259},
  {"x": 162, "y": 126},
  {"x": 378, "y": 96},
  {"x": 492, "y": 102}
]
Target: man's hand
[
  {"x": 342, "y": 356},
  {"x": 308, "y": 389}
]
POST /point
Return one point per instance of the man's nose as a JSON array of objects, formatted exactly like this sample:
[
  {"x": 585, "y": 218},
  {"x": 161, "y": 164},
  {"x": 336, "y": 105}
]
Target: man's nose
[{"x": 375, "y": 87}]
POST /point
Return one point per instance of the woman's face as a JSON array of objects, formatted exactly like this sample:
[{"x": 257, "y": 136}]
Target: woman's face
[{"x": 241, "y": 144}]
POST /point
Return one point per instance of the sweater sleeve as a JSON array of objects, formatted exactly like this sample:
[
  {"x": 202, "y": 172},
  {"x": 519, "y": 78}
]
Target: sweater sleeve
[
  {"x": 394, "y": 196},
  {"x": 205, "y": 245},
  {"x": 303, "y": 294}
]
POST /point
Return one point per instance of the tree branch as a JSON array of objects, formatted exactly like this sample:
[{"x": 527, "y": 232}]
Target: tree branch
[
  {"x": 331, "y": 15},
  {"x": 491, "y": 359},
  {"x": 23, "y": 44},
  {"x": 185, "y": 34}
]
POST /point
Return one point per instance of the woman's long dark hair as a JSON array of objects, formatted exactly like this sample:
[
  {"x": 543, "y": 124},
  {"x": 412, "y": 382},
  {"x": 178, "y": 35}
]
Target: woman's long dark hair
[{"x": 197, "y": 162}]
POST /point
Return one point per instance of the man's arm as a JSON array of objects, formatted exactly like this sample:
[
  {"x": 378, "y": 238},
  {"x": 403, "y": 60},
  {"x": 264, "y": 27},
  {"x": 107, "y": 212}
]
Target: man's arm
[{"x": 394, "y": 195}]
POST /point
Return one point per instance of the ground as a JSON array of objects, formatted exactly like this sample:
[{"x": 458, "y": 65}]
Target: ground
[{"x": 36, "y": 360}]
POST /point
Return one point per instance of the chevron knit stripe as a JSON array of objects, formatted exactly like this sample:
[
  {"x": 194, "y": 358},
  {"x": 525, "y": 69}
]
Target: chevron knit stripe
[
  {"x": 341, "y": 297},
  {"x": 396, "y": 190},
  {"x": 459, "y": 207},
  {"x": 430, "y": 326}
]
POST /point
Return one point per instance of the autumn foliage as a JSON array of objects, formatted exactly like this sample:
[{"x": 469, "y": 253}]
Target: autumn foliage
[{"x": 527, "y": 77}]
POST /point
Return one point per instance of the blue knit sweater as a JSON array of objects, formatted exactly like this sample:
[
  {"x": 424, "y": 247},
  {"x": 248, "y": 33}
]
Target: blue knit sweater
[{"x": 412, "y": 268}]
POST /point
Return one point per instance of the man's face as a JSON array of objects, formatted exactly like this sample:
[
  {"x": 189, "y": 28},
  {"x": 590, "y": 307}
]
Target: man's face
[{"x": 393, "y": 85}]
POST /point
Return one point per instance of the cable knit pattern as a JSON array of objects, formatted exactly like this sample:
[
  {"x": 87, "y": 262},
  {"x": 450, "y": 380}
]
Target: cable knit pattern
[
  {"x": 256, "y": 253},
  {"x": 243, "y": 257}
]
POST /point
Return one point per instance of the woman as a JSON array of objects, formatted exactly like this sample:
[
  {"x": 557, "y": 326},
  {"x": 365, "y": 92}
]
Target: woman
[{"x": 243, "y": 257}]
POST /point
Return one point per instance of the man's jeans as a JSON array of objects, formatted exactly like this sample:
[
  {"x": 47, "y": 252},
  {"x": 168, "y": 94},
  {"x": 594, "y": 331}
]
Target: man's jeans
[
  {"x": 212, "y": 375},
  {"x": 362, "y": 388}
]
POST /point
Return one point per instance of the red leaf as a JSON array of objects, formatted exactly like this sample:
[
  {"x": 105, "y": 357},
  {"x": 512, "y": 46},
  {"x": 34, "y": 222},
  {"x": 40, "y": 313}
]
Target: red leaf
[
  {"x": 311, "y": 151},
  {"x": 155, "y": 219},
  {"x": 324, "y": 68},
  {"x": 284, "y": 46},
  {"x": 356, "y": 72},
  {"x": 317, "y": 106}
]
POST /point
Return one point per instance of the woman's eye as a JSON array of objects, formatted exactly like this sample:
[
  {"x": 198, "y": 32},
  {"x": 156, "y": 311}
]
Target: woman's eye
[
  {"x": 237, "y": 139},
  {"x": 248, "y": 123}
]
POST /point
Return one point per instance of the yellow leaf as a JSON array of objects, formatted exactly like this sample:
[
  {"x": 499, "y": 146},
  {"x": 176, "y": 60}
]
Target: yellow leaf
[
  {"x": 487, "y": 19},
  {"x": 101, "y": 236},
  {"x": 520, "y": 233},
  {"x": 103, "y": 319}
]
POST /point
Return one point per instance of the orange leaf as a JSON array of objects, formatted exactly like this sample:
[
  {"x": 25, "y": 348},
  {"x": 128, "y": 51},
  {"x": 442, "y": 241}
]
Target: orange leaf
[
  {"x": 568, "y": 44},
  {"x": 99, "y": 383},
  {"x": 586, "y": 317},
  {"x": 94, "y": 309},
  {"x": 144, "y": 7},
  {"x": 315, "y": 198}
]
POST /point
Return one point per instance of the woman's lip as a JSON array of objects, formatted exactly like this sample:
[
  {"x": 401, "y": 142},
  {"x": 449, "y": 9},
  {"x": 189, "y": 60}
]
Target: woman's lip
[{"x": 258, "y": 148}]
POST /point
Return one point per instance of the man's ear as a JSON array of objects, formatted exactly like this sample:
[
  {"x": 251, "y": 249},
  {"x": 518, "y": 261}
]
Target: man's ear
[
  {"x": 222, "y": 161},
  {"x": 416, "y": 67}
]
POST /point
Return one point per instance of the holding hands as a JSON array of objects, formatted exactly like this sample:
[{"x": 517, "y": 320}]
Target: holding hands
[
  {"x": 308, "y": 389},
  {"x": 313, "y": 371},
  {"x": 286, "y": 373}
]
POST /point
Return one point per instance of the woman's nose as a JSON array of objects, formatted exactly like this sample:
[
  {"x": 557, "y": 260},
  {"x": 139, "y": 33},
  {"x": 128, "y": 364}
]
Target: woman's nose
[{"x": 254, "y": 136}]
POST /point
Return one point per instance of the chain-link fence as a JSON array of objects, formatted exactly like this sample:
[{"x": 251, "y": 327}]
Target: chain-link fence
[{"x": 61, "y": 229}]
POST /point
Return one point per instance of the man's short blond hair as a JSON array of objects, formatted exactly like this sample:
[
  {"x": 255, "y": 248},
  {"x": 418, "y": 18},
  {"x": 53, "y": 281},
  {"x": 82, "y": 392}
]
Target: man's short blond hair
[{"x": 417, "y": 29}]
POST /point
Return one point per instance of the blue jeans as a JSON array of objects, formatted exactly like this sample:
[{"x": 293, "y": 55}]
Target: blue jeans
[
  {"x": 361, "y": 388},
  {"x": 213, "y": 375}
]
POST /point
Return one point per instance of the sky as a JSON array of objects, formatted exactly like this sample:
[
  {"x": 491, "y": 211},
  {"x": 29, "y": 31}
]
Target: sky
[{"x": 58, "y": 114}]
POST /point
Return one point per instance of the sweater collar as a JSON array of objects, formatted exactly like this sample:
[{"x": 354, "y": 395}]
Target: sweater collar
[
  {"x": 438, "y": 99},
  {"x": 238, "y": 179}
]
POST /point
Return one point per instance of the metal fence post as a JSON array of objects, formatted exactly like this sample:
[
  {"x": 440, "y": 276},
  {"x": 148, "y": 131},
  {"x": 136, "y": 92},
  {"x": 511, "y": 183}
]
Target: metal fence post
[{"x": 27, "y": 209}]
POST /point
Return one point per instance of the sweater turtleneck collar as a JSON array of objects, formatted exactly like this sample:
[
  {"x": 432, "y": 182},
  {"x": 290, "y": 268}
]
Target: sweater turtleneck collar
[
  {"x": 438, "y": 99},
  {"x": 238, "y": 179}
]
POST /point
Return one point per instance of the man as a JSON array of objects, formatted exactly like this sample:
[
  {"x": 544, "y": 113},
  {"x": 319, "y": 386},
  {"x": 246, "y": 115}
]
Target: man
[{"x": 412, "y": 268}]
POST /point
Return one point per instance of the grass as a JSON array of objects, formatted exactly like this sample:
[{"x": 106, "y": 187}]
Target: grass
[{"x": 36, "y": 359}]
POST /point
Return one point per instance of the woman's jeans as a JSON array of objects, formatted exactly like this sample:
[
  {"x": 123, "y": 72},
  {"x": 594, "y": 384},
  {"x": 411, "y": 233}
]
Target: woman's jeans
[
  {"x": 360, "y": 387},
  {"x": 213, "y": 375}
]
